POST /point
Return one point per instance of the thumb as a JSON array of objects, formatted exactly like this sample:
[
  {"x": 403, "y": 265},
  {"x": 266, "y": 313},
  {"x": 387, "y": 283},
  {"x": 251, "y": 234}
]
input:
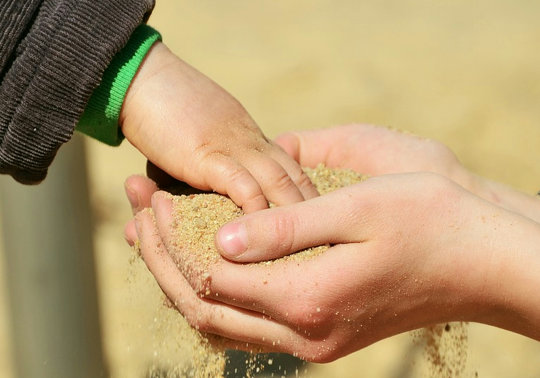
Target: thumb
[{"x": 278, "y": 232}]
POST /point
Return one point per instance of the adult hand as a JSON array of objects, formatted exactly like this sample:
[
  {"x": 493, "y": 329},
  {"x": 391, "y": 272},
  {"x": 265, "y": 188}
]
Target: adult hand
[
  {"x": 374, "y": 151},
  {"x": 408, "y": 251},
  {"x": 377, "y": 151},
  {"x": 195, "y": 131}
]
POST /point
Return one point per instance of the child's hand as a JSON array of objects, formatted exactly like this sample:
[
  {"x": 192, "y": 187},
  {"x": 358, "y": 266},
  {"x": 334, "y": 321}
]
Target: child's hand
[{"x": 198, "y": 133}]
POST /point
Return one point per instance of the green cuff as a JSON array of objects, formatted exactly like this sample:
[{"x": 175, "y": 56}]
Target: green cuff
[{"x": 100, "y": 118}]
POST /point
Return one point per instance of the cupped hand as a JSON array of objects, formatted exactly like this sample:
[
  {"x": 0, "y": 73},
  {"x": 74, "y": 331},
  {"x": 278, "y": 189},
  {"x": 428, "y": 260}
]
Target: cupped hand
[
  {"x": 407, "y": 251},
  {"x": 378, "y": 151},
  {"x": 195, "y": 131},
  {"x": 374, "y": 151}
]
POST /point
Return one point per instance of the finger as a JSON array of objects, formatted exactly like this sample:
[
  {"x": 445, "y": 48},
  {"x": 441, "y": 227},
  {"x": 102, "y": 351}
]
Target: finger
[
  {"x": 162, "y": 207},
  {"x": 296, "y": 173},
  {"x": 167, "y": 226},
  {"x": 265, "y": 288},
  {"x": 159, "y": 262},
  {"x": 130, "y": 233},
  {"x": 275, "y": 182},
  {"x": 139, "y": 190},
  {"x": 338, "y": 217},
  {"x": 287, "y": 291},
  {"x": 181, "y": 251},
  {"x": 182, "y": 254},
  {"x": 205, "y": 315},
  {"x": 226, "y": 176}
]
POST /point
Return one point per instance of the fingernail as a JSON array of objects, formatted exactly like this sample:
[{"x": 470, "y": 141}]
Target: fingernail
[
  {"x": 132, "y": 196},
  {"x": 232, "y": 239},
  {"x": 130, "y": 242}
]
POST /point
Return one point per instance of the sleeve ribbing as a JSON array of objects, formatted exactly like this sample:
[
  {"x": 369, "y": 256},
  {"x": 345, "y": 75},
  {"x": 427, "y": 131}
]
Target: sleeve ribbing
[
  {"x": 57, "y": 58},
  {"x": 100, "y": 118}
]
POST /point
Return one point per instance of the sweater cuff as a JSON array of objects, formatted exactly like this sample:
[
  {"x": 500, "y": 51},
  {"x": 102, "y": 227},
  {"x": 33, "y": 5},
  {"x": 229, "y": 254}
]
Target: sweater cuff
[{"x": 100, "y": 118}]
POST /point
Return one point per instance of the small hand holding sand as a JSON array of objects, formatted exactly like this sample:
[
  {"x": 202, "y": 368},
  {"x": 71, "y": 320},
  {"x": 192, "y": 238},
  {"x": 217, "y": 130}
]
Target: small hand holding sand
[{"x": 194, "y": 130}]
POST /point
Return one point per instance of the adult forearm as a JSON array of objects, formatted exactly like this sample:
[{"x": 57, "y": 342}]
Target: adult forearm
[
  {"x": 513, "y": 290},
  {"x": 509, "y": 198}
]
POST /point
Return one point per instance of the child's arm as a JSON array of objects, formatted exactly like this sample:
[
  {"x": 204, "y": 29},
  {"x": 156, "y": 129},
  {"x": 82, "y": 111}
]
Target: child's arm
[{"x": 194, "y": 130}]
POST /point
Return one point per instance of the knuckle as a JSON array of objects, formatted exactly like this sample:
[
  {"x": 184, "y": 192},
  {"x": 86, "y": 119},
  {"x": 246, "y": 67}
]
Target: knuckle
[
  {"x": 203, "y": 150},
  {"x": 433, "y": 183},
  {"x": 309, "y": 316},
  {"x": 244, "y": 180},
  {"x": 282, "y": 181},
  {"x": 238, "y": 174},
  {"x": 254, "y": 201},
  {"x": 323, "y": 354},
  {"x": 438, "y": 193},
  {"x": 306, "y": 186},
  {"x": 245, "y": 185},
  {"x": 322, "y": 351},
  {"x": 303, "y": 181},
  {"x": 284, "y": 231},
  {"x": 441, "y": 190}
]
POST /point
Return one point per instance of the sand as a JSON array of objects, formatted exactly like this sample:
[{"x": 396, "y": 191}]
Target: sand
[
  {"x": 463, "y": 72},
  {"x": 444, "y": 350},
  {"x": 198, "y": 218}
]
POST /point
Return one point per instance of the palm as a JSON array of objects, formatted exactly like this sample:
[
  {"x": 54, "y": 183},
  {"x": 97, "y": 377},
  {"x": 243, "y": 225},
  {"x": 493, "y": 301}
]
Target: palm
[{"x": 370, "y": 150}]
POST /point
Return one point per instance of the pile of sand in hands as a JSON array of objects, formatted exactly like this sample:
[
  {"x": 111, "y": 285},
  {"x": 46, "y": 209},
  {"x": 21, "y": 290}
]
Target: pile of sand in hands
[
  {"x": 198, "y": 216},
  {"x": 197, "y": 219}
]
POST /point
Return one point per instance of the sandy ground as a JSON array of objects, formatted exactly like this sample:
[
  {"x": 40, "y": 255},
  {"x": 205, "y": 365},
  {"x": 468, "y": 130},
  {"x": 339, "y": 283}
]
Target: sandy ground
[{"x": 466, "y": 73}]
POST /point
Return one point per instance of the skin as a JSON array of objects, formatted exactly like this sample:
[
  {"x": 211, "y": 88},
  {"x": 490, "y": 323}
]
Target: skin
[
  {"x": 377, "y": 151},
  {"x": 196, "y": 132},
  {"x": 410, "y": 249}
]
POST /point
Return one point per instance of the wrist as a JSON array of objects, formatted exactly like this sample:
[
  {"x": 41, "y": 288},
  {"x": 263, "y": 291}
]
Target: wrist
[
  {"x": 509, "y": 198},
  {"x": 510, "y": 296},
  {"x": 154, "y": 64}
]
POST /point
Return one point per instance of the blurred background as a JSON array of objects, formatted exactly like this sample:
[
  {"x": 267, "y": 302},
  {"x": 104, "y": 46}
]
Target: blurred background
[{"x": 465, "y": 72}]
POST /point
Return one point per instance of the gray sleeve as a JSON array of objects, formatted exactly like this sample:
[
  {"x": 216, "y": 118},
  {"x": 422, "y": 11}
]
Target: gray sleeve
[{"x": 52, "y": 56}]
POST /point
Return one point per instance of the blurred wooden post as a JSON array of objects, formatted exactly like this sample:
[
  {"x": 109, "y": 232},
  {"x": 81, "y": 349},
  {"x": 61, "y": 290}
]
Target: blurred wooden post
[{"x": 50, "y": 271}]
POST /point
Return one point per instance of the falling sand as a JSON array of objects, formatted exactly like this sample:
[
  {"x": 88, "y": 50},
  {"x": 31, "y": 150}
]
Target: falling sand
[
  {"x": 194, "y": 354},
  {"x": 444, "y": 349}
]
